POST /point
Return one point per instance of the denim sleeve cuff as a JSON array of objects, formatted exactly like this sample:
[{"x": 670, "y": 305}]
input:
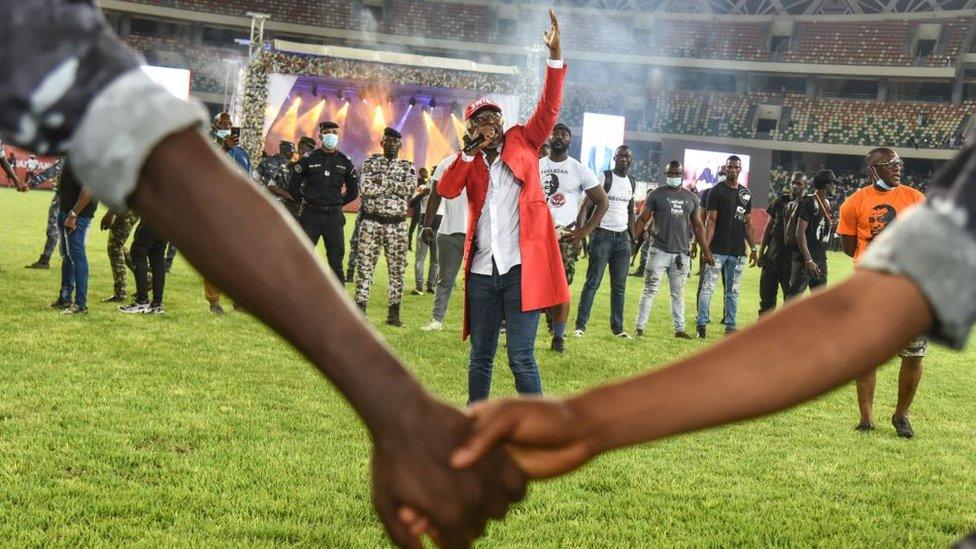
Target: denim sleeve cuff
[
  {"x": 929, "y": 247},
  {"x": 123, "y": 125}
]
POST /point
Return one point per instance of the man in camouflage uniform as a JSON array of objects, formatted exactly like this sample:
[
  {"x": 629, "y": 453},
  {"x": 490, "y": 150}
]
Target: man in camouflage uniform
[
  {"x": 273, "y": 170},
  {"x": 119, "y": 227},
  {"x": 387, "y": 184},
  {"x": 52, "y": 232}
]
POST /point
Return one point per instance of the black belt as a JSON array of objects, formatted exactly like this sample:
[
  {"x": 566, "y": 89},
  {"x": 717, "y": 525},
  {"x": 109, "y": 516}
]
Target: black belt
[
  {"x": 306, "y": 206},
  {"x": 384, "y": 219},
  {"x": 614, "y": 233}
]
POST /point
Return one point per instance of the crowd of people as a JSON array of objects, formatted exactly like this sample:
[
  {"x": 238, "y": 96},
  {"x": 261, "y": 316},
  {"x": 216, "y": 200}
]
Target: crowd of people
[{"x": 435, "y": 470}]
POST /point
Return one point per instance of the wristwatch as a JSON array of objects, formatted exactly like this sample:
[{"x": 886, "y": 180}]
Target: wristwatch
[{"x": 72, "y": 213}]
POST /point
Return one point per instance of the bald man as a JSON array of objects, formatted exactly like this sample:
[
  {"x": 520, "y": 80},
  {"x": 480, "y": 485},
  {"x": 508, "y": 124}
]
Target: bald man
[{"x": 863, "y": 216}]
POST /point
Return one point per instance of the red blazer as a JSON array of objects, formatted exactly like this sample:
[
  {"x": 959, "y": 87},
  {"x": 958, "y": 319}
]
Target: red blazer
[{"x": 543, "y": 278}]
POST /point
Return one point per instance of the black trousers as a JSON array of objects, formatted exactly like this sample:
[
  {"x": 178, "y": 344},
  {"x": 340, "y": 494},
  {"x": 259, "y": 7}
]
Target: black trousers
[
  {"x": 800, "y": 279},
  {"x": 149, "y": 252},
  {"x": 775, "y": 277},
  {"x": 328, "y": 227}
]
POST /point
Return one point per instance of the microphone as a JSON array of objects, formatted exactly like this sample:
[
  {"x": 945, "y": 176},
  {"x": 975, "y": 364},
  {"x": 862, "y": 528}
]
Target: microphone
[{"x": 470, "y": 147}]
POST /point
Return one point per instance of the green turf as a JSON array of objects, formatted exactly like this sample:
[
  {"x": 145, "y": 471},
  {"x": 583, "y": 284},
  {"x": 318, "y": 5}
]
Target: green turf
[{"x": 194, "y": 430}]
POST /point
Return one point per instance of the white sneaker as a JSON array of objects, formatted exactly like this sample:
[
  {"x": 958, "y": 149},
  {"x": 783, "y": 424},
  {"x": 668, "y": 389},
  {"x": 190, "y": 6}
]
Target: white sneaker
[
  {"x": 434, "y": 326},
  {"x": 578, "y": 333},
  {"x": 623, "y": 335}
]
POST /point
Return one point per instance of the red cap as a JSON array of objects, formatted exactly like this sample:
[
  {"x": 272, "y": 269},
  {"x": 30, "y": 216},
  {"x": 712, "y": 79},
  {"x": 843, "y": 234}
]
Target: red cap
[{"x": 483, "y": 103}]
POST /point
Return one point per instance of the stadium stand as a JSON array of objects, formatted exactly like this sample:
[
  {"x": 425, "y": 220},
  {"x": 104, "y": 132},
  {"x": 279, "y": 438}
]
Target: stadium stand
[{"x": 880, "y": 43}]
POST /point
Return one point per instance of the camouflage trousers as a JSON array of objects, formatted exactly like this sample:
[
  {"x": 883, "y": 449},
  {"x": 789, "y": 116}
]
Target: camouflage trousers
[
  {"x": 51, "y": 242},
  {"x": 118, "y": 255},
  {"x": 354, "y": 248},
  {"x": 375, "y": 238}
]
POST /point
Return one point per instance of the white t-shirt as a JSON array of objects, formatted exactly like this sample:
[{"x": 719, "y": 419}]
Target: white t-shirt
[
  {"x": 454, "y": 210},
  {"x": 620, "y": 196},
  {"x": 564, "y": 184}
]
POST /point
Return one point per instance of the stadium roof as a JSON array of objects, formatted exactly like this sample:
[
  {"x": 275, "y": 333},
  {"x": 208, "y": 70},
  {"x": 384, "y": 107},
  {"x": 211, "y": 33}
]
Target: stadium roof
[{"x": 768, "y": 7}]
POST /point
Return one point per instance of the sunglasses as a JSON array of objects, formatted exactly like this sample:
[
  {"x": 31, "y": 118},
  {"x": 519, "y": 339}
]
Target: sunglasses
[
  {"x": 891, "y": 164},
  {"x": 485, "y": 117}
]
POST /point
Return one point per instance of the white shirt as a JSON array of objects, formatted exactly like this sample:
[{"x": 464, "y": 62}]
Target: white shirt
[
  {"x": 620, "y": 196},
  {"x": 453, "y": 210},
  {"x": 564, "y": 184},
  {"x": 496, "y": 236}
]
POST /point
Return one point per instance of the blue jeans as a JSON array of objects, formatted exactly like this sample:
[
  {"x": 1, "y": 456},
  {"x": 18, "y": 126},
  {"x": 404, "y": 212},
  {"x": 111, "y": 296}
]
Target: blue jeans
[
  {"x": 492, "y": 299},
  {"x": 613, "y": 249},
  {"x": 731, "y": 267},
  {"x": 74, "y": 261},
  {"x": 676, "y": 266}
]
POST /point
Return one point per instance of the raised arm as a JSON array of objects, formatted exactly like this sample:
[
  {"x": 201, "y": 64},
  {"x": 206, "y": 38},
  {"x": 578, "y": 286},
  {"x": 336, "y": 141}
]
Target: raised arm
[{"x": 539, "y": 126}]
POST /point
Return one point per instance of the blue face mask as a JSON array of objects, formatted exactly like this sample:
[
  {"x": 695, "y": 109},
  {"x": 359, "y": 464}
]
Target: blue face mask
[
  {"x": 222, "y": 134},
  {"x": 330, "y": 140},
  {"x": 673, "y": 182}
]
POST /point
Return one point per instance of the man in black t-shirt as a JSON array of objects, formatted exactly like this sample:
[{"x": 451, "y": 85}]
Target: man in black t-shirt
[
  {"x": 774, "y": 259},
  {"x": 727, "y": 229},
  {"x": 77, "y": 211},
  {"x": 814, "y": 225}
]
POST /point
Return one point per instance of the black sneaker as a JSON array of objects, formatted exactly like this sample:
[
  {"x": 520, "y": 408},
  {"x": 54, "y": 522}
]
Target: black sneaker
[
  {"x": 902, "y": 426},
  {"x": 114, "y": 299},
  {"x": 418, "y": 291},
  {"x": 38, "y": 265},
  {"x": 730, "y": 331},
  {"x": 430, "y": 291},
  {"x": 639, "y": 332},
  {"x": 217, "y": 309},
  {"x": 156, "y": 310},
  {"x": 60, "y": 304},
  {"x": 558, "y": 345},
  {"x": 864, "y": 427},
  {"x": 682, "y": 335},
  {"x": 701, "y": 332}
]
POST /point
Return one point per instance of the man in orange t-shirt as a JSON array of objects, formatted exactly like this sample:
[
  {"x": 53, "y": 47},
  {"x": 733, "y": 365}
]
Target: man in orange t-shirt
[{"x": 863, "y": 216}]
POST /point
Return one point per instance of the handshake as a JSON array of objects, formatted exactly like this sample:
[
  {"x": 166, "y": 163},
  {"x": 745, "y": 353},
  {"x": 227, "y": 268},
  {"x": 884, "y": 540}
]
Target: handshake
[{"x": 441, "y": 473}]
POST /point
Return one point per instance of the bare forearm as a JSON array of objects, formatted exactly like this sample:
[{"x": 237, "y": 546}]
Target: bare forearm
[
  {"x": 84, "y": 199},
  {"x": 7, "y": 168},
  {"x": 594, "y": 221},
  {"x": 299, "y": 298},
  {"x": 709, "y": 233},
  {"x": 790, "y": 357},
  {"x": 699, "y": 229},
  {"x": 433, "y": 203}
]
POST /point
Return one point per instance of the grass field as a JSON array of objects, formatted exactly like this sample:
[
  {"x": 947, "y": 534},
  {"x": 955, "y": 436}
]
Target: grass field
[{"x": 190, "y": 429}]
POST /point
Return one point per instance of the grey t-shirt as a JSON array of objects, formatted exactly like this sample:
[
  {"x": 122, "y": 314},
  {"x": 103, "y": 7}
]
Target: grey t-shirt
[{"x": 672, "y": 209}]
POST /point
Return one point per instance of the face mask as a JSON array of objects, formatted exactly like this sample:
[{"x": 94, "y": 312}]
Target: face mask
[
  {"x": 882, "y": 185},
  {"x": 330, "y": 140},
  {"x": 223, "y": 134},
  {"x": 673, "y": 182}
]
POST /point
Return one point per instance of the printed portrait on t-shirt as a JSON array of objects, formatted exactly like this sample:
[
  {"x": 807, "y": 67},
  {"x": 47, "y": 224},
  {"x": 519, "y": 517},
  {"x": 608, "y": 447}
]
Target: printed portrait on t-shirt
[
  {"x": 879, "y": 218},
  {"x": 550, "y": 184}
]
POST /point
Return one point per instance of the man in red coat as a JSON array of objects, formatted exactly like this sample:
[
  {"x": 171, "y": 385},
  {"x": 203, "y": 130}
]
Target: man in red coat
[{"x": 512, "y": 266}]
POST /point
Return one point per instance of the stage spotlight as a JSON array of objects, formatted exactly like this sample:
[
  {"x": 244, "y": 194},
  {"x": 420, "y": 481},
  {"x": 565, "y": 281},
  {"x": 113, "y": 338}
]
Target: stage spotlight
[
  {"x": 340, "y": 95},
  {"x": 412, "y": 102}
]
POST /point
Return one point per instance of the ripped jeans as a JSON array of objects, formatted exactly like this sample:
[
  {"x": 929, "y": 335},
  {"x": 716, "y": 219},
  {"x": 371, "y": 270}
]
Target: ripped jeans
[{"x": 732, "y": 266}]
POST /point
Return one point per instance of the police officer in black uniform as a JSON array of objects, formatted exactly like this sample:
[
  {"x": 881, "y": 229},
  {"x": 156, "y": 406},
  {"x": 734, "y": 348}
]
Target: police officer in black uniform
[{"x": 323, "y": 182}]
